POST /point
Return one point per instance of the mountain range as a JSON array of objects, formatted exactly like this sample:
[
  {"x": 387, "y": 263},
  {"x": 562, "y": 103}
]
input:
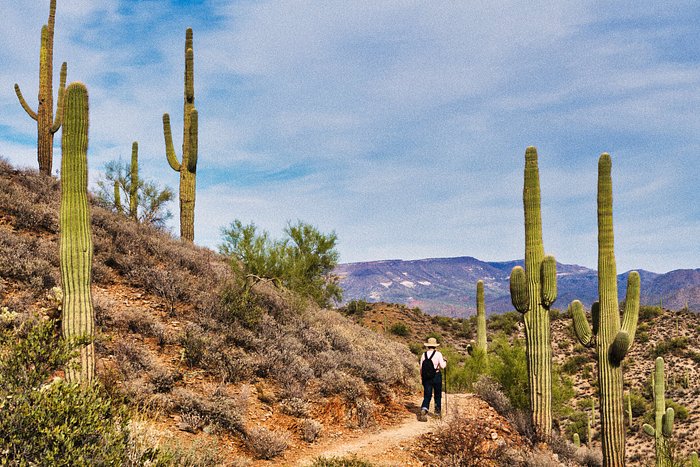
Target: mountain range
[{"x": 447, "y": 286}]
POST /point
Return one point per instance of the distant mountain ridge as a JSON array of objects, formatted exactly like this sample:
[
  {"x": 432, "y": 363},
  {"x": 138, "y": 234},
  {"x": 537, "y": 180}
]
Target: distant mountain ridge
[{"x": 447, "y": 286}]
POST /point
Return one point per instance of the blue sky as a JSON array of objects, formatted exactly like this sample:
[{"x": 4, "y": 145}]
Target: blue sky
[{"x": 400, "y": 125}]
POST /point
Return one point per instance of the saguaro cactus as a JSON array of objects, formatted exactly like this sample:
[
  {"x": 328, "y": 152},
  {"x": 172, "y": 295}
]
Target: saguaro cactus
[
  {"x": 577, "y": 440},
  {"x": 533, "y": 290},
  {"x": 47, "y": 124},
  {"x": 611, "y": 340},
  {"x": 75, "y": 235},
  {"x": 188, "y": 166},
  {"x": 481, "y": 344},
  {"x": 663, "y": 417},
  {"x": 134, "y": 186}
]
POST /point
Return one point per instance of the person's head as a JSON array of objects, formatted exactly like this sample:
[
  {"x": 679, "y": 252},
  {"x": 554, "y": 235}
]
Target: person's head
[{"x": 432, "y": 343}]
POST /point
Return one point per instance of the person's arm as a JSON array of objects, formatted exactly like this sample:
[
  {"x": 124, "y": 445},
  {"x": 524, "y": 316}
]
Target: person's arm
[{"x": 442, "y": 363}]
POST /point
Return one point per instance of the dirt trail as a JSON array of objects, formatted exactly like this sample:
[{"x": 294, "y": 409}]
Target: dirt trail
[{"x": 388, "y": 446}]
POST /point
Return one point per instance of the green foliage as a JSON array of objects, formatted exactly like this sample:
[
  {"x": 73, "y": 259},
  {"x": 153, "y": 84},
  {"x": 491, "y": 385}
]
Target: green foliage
[
  {"x": 55, "y": 423},
  {"x": 463, "y": 373},
  {"x": 303, "y": 261},
  {"x": 416, "y": 348},
  {"x": 640, "y": 406},
  {"x": 510, "y": 370},
  {"x": 681, "y": 412},
  {"x": 574, "y": 363},
  {"x": 648, "y": 312},
  {"x": 347, "y": 461},
  {"x": 400, "y": 329},
  {"x": 506, "y": 323},
  {"x": 151, "y": 199},
  {"x": 672, "y": 346},
  {"x": 578, "y": 424},
  {"x": 355, "y": 308}
]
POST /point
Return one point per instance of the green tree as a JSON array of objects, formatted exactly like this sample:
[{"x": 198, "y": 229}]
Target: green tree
[
  {"x": 115, "y": 190},
  {"x": 302, "y": 261}
]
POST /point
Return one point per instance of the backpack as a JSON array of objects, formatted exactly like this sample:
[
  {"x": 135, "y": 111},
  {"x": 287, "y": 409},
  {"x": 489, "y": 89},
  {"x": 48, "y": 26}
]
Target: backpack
[{"x": 427, "y": 369}]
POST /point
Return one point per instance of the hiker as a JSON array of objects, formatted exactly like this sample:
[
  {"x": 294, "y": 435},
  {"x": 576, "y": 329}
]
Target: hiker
[{"x": 431, "y": 364}]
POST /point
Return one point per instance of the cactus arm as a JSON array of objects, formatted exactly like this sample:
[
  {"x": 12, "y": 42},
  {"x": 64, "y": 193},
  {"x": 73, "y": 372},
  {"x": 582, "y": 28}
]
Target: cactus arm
[
  {"x": 581, "y": 327},
  {"x": 595, "y": 317},
  {"x": 169, "y": 148},
  {"x": 667, "y": 422},
  {"x": 549, "y": 281},
  {"x": 629, "y": 320},
  {"x": 194, "y": 126},
  {"x": 619, "y": 347},
  {"x": 59, "y": 106},
  {"x": 649, "y": 430},
  {"x": 24, "y": 104},
  {"x": 518, "y": 290}
]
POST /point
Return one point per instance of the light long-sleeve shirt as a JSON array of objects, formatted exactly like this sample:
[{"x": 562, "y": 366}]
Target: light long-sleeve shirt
[{"x": 437, "y": 359}]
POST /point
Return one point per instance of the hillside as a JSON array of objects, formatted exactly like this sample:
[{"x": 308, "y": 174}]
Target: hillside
[
  {"x": 219, "y": 369},
  {"x": 447, "y": 286},
  {"x": 661, "y": 332}
]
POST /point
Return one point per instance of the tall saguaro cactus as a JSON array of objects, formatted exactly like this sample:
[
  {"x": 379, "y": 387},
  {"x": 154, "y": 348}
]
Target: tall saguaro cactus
[
  {"x": 75, "y": 235},
  {"x": 188, "y": 166},
  {"x": 134, "y": 186},
  {"x": 481, "y": 344},
  {"x": 533, "y": 290},
  {"x": 663, "y": 417},
  {"x": 47, "y": 124},
  {"x": 611, "y": 339}
]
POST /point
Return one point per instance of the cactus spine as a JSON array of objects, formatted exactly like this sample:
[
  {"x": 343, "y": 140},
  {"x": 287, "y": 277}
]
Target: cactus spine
[
  {"x": 481, "y": 344},
  {"x": 75, "y": 239},
  {"x": 612, "y": 340},
  {"x": 134, "y": 182},
  {"x": 188, "y": 166},
  {"x": 533, "y": 290},
  {"x": 663, "y": 417},
  {"x": 47, "y": 123}
]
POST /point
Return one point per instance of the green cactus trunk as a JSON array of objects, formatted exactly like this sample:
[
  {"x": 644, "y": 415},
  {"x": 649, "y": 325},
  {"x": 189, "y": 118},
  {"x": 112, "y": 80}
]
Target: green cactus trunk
[
  {"x": 612, "y": 340},
  {"x": 134, "y": 182},
  {"x": 188, "y": 166},
  {"x": 47, "y": 124},
  {"x": 663, "y": 417},
  {"x": 577, "y": 440},
  {"x": 118, "y": 198},
  {"x": 75, "y": 235},
  {"x": 481, "y": 343},
  {"x": 533, "y": 291}
]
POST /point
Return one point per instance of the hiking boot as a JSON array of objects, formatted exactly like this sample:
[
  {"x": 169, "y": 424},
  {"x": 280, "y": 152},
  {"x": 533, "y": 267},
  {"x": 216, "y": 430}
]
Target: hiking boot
[
  {"x": 423, "y": 417},
  {"x": 438, "y": 413}
]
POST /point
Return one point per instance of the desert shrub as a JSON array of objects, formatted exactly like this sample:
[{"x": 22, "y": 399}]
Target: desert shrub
[
  {"x": 563, "y": 448},
  {"x": 510, "y": 370},
  {"x": 303, "y": 261},
  {"x": 149, "y": 447},
  {"x": 416, "y": 348},
  {"x": 490, "y": 391},
  {"x": 347, "y": 461},
  {"x": 506, "y": 322},
  {"x": 589, "y": 457},
  {"x": 461, "y": 376},
  {"x": 673, "y": 346},
  {"x": 131, "y": 357},
  {"x": 355, "y": 308},
  {"x": 400, "y": 329},
  {"x": 574, "y": 363},
  {"x": 241, "y": 306},
  {"x": 266, "y": 444},
  {"x": 639, "y": 404},
  {"x": 55, "y": 423},
  {"x": 365, "y": 412},
  {"x": 295, "y": 407},
  {"x": 163, "y": 379},
  {"x": 647, "y": 312},
  {"x": 225, "y": 411},
  {"x": 194, "y": 345},
  {"x": 578, "y": 423},
  {"x": 681, "y": 412},
  {"x": 340, "y": 383},
  {"x": 33, "y": 262},
  {"x": 461, "y": 442},
  {"x": 309, "y": 430}
]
